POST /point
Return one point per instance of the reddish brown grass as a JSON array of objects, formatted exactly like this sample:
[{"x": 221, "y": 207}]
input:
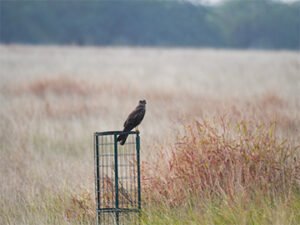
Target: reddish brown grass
[
  {"x": 60, "y": 85},
  {"x": 222, "y": 160}
]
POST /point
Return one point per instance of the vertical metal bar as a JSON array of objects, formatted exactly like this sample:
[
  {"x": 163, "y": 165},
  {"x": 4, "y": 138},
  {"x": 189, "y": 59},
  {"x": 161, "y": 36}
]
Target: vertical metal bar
[
  {"x": 123, "y": 179},
  {"x": 138, "y": 170},
  {"x": 110, "y": 170},
  {"x": 97, "y": 189},
  {"x": 103, "y": 173},
  {"x": 116, "y": 179},
  {"x": 95, "y": 175},
  {"x": 134, "y": 174},
  {"x": 126, "y": 179}
]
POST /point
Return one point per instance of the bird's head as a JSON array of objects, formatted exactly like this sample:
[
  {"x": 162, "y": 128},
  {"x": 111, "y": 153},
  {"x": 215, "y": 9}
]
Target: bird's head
[{"x": 142, "y": 102}]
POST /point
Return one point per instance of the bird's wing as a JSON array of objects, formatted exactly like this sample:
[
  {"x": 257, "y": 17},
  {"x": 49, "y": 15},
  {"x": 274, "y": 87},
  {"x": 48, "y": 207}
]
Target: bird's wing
[{"x": 134, "y": 118}]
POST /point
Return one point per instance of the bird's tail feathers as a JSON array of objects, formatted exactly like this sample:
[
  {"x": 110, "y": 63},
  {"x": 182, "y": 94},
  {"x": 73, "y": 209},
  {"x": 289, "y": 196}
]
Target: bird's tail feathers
[
  {"x": 122, "y": 142},
  {"x": 122, "y": 138}
]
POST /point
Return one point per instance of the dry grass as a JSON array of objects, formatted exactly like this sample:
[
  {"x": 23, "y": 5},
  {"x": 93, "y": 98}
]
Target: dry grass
[
  {"x": 224, "y": 160},
  {"x": 54, "y": 98}
]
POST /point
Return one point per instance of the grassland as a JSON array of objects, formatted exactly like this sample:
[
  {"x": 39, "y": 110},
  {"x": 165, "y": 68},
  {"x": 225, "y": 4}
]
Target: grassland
[{"x": 220, "y": 141}]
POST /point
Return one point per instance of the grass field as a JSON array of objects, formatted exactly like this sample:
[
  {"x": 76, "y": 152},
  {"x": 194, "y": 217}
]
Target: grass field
[{"x": 220, "y": 140}]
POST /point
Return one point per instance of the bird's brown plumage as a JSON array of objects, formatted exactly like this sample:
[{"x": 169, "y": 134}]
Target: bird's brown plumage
[{"x": 133, "y": 120}]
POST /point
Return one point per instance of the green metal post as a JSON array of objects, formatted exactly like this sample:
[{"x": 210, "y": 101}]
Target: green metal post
[
  {"x": 116, "y": 179},
  {"x": 97, "y": 174},
  {"x": 138, "y": 170}
]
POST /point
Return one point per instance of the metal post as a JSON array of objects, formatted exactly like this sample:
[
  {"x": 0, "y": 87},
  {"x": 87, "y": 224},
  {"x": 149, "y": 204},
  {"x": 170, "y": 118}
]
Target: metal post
[
  {"x": 97, "y": 176},
  {"x": 116, "y": 179},
  {"x": 138, "y": 170}
]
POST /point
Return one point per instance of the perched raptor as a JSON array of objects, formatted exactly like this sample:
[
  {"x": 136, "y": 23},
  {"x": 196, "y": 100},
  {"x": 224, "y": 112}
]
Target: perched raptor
[{"x": 133, "y": 120}]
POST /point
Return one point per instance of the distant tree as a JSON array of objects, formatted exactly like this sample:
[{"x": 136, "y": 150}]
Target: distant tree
[
  {"x": 235, "y": 23},
  {"x": 259, "y": 23}
]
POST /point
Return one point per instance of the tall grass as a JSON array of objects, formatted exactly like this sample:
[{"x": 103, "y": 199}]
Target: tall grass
[
  {"x": 224, "y": 173},
  {"x": 223, "y": 159}
]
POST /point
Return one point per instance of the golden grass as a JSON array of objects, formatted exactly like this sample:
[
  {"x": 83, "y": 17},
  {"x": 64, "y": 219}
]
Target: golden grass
[{"x": 54, "y": 98}]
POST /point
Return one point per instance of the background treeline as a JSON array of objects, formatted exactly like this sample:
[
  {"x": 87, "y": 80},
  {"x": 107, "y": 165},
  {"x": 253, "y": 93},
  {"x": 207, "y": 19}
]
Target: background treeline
[{"x": 233, "y": 24}]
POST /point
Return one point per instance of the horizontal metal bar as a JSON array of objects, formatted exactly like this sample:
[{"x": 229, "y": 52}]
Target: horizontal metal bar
[
  {"x": 120, "y": 165},
  {"x": 111, "y": 143},
  {"x": 130, "y": 191},
  {"x": 103, "y": 155},
  {"x": 110, "y": 210},
  {"x": 114, "y": 132}
]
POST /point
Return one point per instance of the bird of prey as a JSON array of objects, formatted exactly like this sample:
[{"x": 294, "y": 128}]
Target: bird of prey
[{"x": 133, "y": 120}]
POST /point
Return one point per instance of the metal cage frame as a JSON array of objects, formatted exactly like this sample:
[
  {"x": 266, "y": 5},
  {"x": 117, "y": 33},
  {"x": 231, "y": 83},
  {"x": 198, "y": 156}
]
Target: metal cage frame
[{"x": 117, "y": 178}]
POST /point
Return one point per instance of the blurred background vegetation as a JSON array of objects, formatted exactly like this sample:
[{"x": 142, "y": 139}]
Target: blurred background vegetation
[{"x": 262, "y": 24}]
